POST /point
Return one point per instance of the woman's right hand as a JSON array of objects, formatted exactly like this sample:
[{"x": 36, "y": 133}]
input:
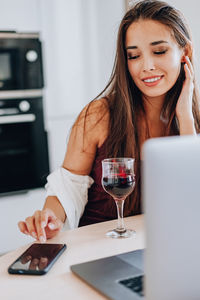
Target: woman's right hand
[{"x": 42, "y": 225}]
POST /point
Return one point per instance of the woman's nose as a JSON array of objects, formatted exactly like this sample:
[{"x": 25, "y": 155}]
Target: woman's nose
[{"x": 148, "y": 64}]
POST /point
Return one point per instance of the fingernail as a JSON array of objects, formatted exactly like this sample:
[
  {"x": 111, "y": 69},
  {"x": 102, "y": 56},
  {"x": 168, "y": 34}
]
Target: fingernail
[
  {"x": 34, "y": 234},
  {"x": 51, "y": 226},
  {"x": 43, "y": 224},
  {"x": 42, "y": 239}
]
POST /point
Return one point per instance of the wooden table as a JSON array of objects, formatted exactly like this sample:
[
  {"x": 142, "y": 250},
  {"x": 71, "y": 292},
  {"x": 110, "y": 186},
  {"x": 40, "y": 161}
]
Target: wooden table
[{"x": 83, "y": 244}]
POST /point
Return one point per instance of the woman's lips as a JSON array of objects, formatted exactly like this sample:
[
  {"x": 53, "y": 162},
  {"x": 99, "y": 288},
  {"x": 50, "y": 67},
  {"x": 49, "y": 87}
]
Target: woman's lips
[{"x": 152, "y": 81}]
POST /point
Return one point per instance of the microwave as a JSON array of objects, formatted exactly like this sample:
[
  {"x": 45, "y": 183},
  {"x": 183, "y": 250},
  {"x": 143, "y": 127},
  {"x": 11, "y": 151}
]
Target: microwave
[{"x": 20, "y": 61}]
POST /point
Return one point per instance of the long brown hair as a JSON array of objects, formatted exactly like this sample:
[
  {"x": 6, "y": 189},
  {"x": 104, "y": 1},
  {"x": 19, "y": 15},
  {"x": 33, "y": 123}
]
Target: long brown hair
[{"x": 124, "y": 98}]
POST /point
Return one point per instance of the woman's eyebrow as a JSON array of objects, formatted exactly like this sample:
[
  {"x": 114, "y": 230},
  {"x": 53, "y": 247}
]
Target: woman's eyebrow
[
  {"x": 131, "y": 47},
  {"x": 158, "y": 42},
  {"x": 152, "y": 44}
]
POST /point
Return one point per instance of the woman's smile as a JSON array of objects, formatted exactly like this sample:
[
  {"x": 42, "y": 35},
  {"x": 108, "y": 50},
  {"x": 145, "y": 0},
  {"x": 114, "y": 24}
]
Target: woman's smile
[{"x": 152, "y": 81}]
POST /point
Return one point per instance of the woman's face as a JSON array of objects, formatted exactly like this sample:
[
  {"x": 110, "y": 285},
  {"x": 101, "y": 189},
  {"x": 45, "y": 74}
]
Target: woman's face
[{"x": 154, "y": 57}]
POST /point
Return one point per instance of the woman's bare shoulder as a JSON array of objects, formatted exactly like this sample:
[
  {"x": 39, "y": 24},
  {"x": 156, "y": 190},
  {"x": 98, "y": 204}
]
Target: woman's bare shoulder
[
  {"x": 93, "y": 112},
  {"x": 94, "y": 118},
  {"x": 88, "y": 133}
]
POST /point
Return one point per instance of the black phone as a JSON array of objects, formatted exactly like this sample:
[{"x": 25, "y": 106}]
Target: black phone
[{"x": 37, "y": 259}]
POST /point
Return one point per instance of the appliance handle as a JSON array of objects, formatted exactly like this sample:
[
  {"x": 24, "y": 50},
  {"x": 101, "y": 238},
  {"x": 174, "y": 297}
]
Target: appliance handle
[{"x": 17, "y": 119}]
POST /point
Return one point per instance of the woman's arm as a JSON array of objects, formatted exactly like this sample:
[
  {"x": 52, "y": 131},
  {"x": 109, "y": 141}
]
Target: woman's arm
[
  {"x": 54, "y": 204},
  {"x": 186, "y": 126},
  {"x": 88, "y": 133}
]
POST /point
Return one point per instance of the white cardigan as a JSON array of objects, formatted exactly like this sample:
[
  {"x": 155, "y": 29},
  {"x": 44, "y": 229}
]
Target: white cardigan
[{"x": 72, "y": 192}]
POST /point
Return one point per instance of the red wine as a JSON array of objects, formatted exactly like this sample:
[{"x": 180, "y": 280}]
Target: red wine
[{"x": 119, "y": 187}]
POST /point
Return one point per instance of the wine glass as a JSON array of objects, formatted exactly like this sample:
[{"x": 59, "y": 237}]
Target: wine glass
[{"x": 118, "y": 180}]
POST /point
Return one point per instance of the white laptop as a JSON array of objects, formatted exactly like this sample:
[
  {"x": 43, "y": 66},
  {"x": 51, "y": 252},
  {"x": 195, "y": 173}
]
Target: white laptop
[{"x": 171, "y": 262}]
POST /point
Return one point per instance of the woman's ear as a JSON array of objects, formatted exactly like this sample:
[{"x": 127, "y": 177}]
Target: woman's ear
[{"x": 188, "y": 50}]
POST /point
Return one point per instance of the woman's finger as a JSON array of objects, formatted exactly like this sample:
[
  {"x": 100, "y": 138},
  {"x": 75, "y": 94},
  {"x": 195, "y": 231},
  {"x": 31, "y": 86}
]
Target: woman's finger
[
  {"x": 26, "y": 259},
  {"x": 189, "y": 81},
  {"x": 43, "y": 262},
  {"x": 34, "y": 264},
  {"x": 187, "y": 71},
  {"x": 39, "y": 229},
  {"x": 55, "y": 224},
  {"x": 31, "y": 227},
  {"x": 188, "y": 77},
  {"x": 47, "y": 215},
  {"x": 22, "y": 227},
  {"x": 189, "y": 66}
]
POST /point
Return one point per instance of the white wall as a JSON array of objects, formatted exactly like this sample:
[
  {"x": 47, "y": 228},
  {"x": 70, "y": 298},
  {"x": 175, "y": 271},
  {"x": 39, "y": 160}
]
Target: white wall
[
  {"x": 79, "y": 39},
  {"x": 78, "y": 45},
  {"x": 19, "y": 15}
]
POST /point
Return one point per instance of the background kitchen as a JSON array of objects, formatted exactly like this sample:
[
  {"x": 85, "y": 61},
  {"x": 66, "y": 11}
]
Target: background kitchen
[{"x": 78, "y": 47}]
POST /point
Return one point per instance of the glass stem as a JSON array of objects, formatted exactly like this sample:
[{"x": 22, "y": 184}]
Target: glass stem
[{"x": 120, "y": 220}]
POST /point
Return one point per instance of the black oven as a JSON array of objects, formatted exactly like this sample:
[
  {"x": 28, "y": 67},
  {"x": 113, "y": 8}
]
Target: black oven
[
  {"x": 20, "y": 61},
  {"x": 23, "y": 144}
]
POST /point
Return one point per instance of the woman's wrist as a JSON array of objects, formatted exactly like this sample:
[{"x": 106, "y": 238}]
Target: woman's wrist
[
  {"x": 186, "y": 125},
  {"x": 54, "y": 204}
]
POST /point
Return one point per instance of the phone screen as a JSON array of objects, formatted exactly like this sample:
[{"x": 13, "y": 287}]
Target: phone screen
[{"x": 37, "y": 259}]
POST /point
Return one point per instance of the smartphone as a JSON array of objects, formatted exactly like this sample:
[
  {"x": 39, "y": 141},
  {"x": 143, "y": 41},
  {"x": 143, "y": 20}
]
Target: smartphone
[{"x": 37, "y": 259}]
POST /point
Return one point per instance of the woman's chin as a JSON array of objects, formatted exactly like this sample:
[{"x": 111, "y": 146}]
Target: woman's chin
[{"x": 155, "y": 94}]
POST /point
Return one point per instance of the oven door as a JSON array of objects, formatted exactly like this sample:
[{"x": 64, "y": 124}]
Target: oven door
[{"x": 23, "y": 153}]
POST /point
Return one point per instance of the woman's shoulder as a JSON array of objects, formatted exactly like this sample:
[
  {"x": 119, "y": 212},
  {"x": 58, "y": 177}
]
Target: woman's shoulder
[
  {"x": 94, "y": 118},
  {"x": 96, "y": 109}
]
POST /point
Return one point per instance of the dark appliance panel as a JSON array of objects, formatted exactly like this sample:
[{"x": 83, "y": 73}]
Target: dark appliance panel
[
  {"x": 20, "y": 61},
  {"x": 23, "y": 147}
]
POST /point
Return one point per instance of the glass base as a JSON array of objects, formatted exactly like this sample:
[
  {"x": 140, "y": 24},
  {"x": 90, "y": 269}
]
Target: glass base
[{"x": 127, "y": 233}]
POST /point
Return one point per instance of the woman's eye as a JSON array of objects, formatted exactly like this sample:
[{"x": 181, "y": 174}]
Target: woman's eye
[
  {"x": 160, "y": 52},
  {"x": 133, "y": 57}
]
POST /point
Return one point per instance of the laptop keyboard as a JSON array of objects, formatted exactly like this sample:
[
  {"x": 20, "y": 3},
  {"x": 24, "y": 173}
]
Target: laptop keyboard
[{"x": 135, "y": 284}]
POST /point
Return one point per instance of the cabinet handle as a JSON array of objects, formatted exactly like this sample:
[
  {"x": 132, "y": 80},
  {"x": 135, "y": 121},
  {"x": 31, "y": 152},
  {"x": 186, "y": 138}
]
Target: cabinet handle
[{"x": 17, "y": 119}]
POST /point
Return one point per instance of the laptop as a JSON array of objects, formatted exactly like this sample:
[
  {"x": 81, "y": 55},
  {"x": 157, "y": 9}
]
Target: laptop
[{"x": 171, "y": 261}]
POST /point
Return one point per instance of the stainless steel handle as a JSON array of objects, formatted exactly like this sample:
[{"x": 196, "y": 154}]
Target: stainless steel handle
[{"x": 17, "y": 119}]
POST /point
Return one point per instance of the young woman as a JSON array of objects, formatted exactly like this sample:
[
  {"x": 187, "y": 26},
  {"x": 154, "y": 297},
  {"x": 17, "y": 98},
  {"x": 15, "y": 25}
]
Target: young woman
[{"x": 151, "y": 93}]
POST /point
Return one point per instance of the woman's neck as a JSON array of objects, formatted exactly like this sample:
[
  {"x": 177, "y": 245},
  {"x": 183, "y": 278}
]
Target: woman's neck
[
  {"x": 153, "y": 107},
  {"x": 152, "y": 124}
]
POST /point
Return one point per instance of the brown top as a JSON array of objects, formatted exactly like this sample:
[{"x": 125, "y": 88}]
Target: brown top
[{"x": 101, "y": 206}]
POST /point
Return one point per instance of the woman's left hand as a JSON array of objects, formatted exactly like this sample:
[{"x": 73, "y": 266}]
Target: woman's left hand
[{"x": 184, "y": 104}]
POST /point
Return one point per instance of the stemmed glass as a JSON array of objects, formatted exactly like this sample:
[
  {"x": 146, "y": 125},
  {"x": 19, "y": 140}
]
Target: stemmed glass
[{"x": 118, "y": 180}]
